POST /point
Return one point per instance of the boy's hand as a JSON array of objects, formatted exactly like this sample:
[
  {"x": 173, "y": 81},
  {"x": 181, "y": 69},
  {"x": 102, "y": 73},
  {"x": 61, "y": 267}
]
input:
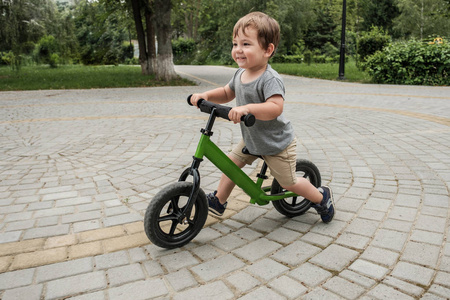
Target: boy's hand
[
  {"x": 196, "y": 97},
  {"x": 236, "y": 113}
]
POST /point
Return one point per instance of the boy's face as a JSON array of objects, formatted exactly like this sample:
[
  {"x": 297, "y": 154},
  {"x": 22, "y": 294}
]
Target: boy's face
[{"x": 247, "y": 52}]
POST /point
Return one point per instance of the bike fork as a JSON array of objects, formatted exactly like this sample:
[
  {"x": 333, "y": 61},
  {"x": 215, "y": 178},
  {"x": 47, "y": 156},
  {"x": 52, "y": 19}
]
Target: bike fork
[{"x": 193, "y": 171}]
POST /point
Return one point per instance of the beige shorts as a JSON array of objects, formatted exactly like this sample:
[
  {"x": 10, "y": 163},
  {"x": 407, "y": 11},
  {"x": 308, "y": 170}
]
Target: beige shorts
[{"x": 281, "y": 165}]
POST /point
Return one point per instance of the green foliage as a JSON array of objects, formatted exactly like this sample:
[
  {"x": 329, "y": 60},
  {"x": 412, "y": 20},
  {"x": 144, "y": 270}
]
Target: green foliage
[
  {"x": 79, "y": 77},
  {"x": 420, "y": 18},
  {"x": 380, "y": 13},
  {"x": 327, "y": 71},
  {"x": 371, "y": 42},
  {"x": 46, "y": 51},
  {"x": 296, "y": 59},
  {"x": 411, "y": 62},
  {"x": 183, "y": 50}
]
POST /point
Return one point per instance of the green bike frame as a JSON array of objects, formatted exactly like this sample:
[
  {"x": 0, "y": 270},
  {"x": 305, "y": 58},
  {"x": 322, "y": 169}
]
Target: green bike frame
[{"x": 207, "y": 148}]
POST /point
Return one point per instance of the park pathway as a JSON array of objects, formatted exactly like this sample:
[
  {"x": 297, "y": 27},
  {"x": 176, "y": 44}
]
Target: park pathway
[{"x": 79, "y": 167}]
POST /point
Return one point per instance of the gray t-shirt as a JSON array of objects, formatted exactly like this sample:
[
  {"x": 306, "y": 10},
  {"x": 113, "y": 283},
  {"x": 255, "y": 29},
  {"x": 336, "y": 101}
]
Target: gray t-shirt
[{"x": 265, "y": 137}]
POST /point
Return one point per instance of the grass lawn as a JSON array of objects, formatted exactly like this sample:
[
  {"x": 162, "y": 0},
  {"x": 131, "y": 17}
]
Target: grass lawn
[
  {"x": 324, "y": 71},
  {"x": 78, "y": 77},
  {"x": 88, "y": 77}
]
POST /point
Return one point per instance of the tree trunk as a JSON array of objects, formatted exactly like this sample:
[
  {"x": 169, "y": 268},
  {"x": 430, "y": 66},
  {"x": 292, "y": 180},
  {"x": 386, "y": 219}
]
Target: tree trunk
[
  {"x": 151, "y": 41},
  {"x": 143, "y": 56},
  {"x": 165, "y": 69}
]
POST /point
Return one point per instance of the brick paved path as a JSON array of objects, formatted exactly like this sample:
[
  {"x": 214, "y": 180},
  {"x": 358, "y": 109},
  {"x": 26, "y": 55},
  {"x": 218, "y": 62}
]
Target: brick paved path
[{"x": 79, "y": 167}]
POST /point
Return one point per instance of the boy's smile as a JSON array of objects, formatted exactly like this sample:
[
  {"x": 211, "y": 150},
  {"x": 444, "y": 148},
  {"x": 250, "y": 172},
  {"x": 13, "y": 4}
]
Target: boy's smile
[{"x": 247, "y": 51}]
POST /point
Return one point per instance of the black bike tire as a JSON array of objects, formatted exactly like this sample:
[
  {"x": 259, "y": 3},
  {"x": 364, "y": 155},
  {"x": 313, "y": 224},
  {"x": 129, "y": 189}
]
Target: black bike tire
[
  {"x": 282, "y": 206},
  {"x": 152, "y": 227}
]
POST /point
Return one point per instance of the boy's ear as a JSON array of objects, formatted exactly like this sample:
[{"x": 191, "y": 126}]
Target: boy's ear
[{"x": 270, "y": 49}]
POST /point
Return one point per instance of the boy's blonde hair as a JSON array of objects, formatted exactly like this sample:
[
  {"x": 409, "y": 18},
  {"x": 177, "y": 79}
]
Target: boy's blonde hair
[{"x": 268, "y": 28}]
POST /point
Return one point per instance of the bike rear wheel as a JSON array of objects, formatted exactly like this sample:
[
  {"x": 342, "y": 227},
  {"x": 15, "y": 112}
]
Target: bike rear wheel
[
  {"x": 163, "y": 220},
  {"x": 296, "y": 206}
]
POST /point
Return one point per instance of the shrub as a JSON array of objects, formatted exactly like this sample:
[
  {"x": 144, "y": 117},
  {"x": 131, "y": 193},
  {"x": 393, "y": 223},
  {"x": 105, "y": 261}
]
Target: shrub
[
  {"x": 371, "y": 42},
  {"x": 411, "y": 62},
  {"x": 287, "y": 59},
  {"x": 45, "y": 49},
  {"x": 183, "y": 50}
]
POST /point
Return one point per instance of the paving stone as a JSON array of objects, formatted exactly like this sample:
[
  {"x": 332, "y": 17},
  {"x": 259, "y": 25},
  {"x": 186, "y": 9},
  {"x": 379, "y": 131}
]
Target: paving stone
[
  {"x": 369, "y": 269},
  {"x": 177, "y": 261},
  {"x": 344, "y": 288},
  {"x": 229, "y": 242},
  {"x": 64, "y": 269},
  {"x": 430, "y": 223},
  {"x": 283, "y": 235},
  {"x": 387, "y": 292},
  {"x": 421, "y": 254},
  {"x": 389, "y": 239},
  {"x": 332, "y": 229},
  {"x": 243, "y": 281},
  {"x": 217, "y": 267},
  {"x": 357, "y": 278},
  {"x": 296, "y": 253},
  {"x": 32, "y": 292},
  {"x": 15, "y": 279},
  {"x": 354, "y": 241},
  {"x": 153, "y": 268},
  {"x": 74, "y": 285},
  {"x": 249, "y": 214},
  {"x": 100, "y": 295},
  {"x": 207, "y": 235},
  {"x": 334, "y": 257},
  {"x": 288, "y": 287},
  {"x": 181, "y": 280},
  {"x": 257, "y": 249},
  {"x": 262, "y": 293},
  {"x": 297, "y": 226},
  {"x": 403, "y": 213},
  {"x": 443, "y": 278},
  {"x": 413, "y": 273},
  {"x": 248, "y": 234},
  {"x": 320, "y": 293},
  {"x": 427, "y": 237},
  {"x": 310, "y": 274},
  {"x": 380, "y": 256},
  {"x": 267, "y": 269},
  {"x": 317, "y": 239},
  {"x": 144, "y": 289},
  {"x": 125, "y": 274},
  {"x": 363, "y": 227},
  {"x": 405, "y": 287},
  {"x": 111, "y": 260},
  {"x": 439, "y": 290},
  {"x": 215, "y": 290}
]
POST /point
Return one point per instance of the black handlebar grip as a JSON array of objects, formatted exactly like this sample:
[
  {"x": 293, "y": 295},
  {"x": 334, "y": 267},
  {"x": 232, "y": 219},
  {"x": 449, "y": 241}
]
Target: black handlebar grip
[
  {"x": 189, "y": 100},
  {"x": 221, "y": 111}
]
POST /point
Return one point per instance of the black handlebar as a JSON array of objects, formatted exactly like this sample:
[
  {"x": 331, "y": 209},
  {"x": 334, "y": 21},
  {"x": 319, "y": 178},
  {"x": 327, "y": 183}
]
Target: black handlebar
[{"x": 221, "y": 111}]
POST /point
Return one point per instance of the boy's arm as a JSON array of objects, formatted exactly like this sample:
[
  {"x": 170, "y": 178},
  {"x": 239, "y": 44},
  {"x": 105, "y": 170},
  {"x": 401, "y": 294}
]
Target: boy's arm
[
  {"x": 265, "y": 111},
  {"x": 220, "y": 95}
]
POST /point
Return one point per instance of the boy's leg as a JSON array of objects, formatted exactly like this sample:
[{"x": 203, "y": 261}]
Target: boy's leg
[
  {"x": 282, "y": 167},
  {"x": 322, "y": 197},
  {"x": 225, "y": 184},
  {"x": 217, "y": 201},
  {"x": 305, "y": 189}
]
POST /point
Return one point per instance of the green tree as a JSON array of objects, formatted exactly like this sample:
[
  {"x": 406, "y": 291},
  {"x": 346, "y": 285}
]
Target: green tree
[
  {"x": 100, "y": 33},
  {"x": 322, "y": 31},
  {"x": 380, "y": 13},
  {"x": 421, "y": 18}
]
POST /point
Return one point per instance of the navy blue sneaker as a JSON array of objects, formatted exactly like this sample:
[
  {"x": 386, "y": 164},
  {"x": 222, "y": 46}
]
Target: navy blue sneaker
[
  {"x": 214, "y": 205},
  {"x": 326, "y": 208}
]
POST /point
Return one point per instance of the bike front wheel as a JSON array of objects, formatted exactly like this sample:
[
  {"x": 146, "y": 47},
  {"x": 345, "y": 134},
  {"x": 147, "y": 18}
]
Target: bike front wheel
[
  {"x": 163, "y": 222},
  {"x": 296, "y": 206}
]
